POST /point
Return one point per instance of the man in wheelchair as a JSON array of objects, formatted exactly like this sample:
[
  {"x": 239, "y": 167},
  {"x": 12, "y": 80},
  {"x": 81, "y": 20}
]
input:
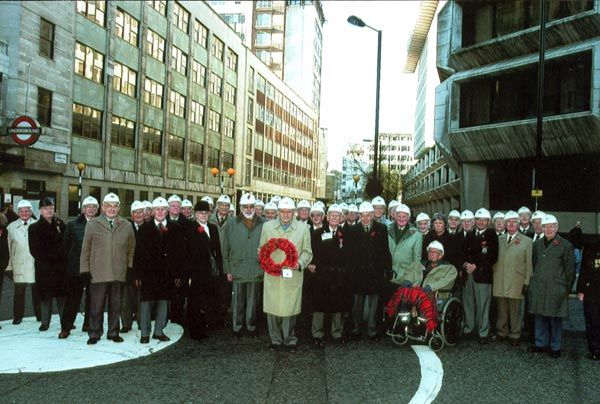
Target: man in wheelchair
[{"x": 412, "y": 313}]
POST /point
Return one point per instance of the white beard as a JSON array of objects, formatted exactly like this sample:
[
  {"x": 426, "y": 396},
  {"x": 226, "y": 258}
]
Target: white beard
[{"x": 248, "y": 216}]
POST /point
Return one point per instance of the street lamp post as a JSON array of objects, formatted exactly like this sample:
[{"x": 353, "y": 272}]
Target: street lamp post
[
  {"x": 356, "y": 178},
  {"x": 354, "y": 20},
  {"x": 214, "y": 171},
  {"x": 80, "y": 168}
]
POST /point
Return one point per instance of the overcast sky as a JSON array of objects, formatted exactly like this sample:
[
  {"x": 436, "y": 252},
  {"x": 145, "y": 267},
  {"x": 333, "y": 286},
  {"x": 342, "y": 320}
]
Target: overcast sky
[{"x": 349, "y": 72}]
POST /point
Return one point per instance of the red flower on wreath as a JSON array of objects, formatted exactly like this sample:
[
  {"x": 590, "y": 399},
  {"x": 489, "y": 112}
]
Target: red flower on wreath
[{"x": 266, "y": 262}]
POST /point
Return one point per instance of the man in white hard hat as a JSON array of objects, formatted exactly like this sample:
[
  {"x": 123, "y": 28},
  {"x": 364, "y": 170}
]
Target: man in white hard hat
[
  {"x": 499, "y": 223},
  {"x": 423, "y": 223},
  {"x": 259, "y": 207},
  {"x": 525, "y": 225},
  {"x": 379, "y": 208},
  {"x": 392, "y": 210},
  {"x": 351, "y": 217},
  {"x": 283, "y": 294},
  {"x": 453, "y": 221},
  {"x": 21, "y": 264},
  {"x": 536, "y": 222},
  {"x": 553, "y": 277},
  {"x": 147, "y": 211},
  {"x": 462, "y": 236},
  {"x": 73, "y": 239},
  {"x": 433, "y": 274},
  {"x": 370, "y": 268},
  {"x": 512, "y": 273},
  {"x": 303, "y": 212},
  {"x": 270, "y": 211},
  {"x": 405, "y": 243},
  {"x": 106, "y": 253},
  {"x": 187, "y": 209},
  {"x": 316, "y": 217},
  {"x": 482, "y": 255},
  {"x": 239, "y": 245},
  {"x": 220, "y": 216},
  {"x": 159, "y": 260},
  {"x": 344, "y": 207},
  {"x": 130, "y": 298}
]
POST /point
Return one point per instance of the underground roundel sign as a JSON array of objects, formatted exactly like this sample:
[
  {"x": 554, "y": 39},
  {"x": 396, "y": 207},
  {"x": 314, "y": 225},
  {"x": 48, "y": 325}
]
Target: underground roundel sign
[{"x": 25, "y": 130}]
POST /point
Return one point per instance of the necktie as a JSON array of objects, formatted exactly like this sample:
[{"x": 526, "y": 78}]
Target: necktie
[
  {"x": 111, "y": 223},
  {"x": 509, "y": 239},
  {"x": 160, "y": 227},
  {"x": 25, "y": 223}
]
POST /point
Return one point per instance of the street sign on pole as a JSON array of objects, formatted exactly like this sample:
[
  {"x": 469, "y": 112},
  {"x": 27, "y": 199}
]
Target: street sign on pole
[{"x": 25, "y": 130}]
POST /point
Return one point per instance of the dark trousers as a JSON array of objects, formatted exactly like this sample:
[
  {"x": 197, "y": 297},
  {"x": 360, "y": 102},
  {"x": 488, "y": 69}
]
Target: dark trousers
[
  {"x": 98, "y": 294},
  {"x": 74, "y": 289},
  {"x": 548, "y": 331},
  {"x": 161, "y": 309},
  {"x": 19, "y": 302},
  {"x": 591, "y": 311},
  {"x": 46, "y": 309},
  {"x": 223, "y": 291},
  {"x": 130, "y": 305},
  {"x": 177, "y": 304}
]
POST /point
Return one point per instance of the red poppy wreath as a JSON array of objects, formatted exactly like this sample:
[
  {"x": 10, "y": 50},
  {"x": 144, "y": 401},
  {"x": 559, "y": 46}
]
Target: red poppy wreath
[{"x": 266, "y": 262}]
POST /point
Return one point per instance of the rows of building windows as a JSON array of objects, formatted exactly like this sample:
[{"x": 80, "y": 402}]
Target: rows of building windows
[{"x": 437, "y": 178}]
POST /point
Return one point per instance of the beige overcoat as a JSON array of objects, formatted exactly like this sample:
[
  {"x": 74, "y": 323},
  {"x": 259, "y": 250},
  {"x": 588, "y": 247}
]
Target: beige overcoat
[
  {"x": 20, "y": 262},
  {"x": 514, "y": 266}
]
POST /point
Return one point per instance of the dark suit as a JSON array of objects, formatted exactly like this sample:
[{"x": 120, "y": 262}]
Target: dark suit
[
  {"x": 370, "y": 269},
  {"x": 130, "y": 297},
  {"x": 179, "y": 294},
  {"x": 206, "y": 303},
  {"x": 157, "y": 263},
  {"x": 589, "y": 285},
  {"x": 481, "y": 250}
]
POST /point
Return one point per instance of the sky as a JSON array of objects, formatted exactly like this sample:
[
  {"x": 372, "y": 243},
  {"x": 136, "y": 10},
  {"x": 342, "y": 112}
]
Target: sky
[{"x": 349, "y": 73}]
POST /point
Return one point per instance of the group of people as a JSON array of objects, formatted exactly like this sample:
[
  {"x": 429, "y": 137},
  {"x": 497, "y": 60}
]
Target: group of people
[{"x": 193, "y": 264}]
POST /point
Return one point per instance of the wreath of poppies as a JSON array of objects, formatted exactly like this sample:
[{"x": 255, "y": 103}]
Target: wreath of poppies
[
  {"x": 271, "y": 267},
  {"x": 418, "y": 297}
]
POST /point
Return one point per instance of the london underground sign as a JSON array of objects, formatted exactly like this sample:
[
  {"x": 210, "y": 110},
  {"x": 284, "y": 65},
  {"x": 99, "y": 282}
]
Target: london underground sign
[{"x": 25, "y": 130}]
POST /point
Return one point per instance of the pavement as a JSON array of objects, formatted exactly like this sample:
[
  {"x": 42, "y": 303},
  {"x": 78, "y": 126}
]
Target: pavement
[{"x": 225, "y": 370}]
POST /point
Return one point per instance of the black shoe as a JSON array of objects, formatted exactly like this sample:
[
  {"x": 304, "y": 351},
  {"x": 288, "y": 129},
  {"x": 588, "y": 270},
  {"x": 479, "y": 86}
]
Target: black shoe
[
  {"x": 593, "y": 356},
  {"x": 162, "y": 338},
  {"x": 514, "y": 341},
  {"x": 236, "y": 334},
  {"x": 537, "y": 349},
  {"x": 253, "y": 334},
  {"x": 116, "y": 338},
  {"x": 144, "y": 340},
  {"x": 44, "y": 327},
  {"x": 467, "y": 335},
  {"x": 500, "y": 338},
  {"x": 125, "y": 330},
  {"x": 318, "y": 342},
  {"x": 63, "y": 334},
  {"x": 274, "y": 347},
  {"x": 72, "y": 328},
  {"x": 483, "y": 341},
  {"x": 555, "y": 354},
  {"x": 340, "y": 341},
  {"x": 92, "y": 341},
  {"x": 17, "y": 321},
  {"x": 291, "y": 348}
]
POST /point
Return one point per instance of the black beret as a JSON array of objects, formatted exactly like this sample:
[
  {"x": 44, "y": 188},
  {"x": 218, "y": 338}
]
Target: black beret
[
  {"x": 202, "y": 206},
  {"x": 46, "y": 202}
]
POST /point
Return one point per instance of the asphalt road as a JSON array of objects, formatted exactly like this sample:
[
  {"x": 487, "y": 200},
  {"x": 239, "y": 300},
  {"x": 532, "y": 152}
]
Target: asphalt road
[{"x": 220, "y": 369}]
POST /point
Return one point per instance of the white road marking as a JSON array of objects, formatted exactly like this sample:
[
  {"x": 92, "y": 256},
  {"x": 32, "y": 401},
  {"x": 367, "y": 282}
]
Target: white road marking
[
  {"x": 432, "y": 374},
  {"x": 26, "y": 349}
]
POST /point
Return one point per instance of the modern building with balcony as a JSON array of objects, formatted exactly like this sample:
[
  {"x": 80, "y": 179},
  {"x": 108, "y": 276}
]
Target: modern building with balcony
[
  {"x": 150, "y": 96},
  {"x": 486, "y": 105}
]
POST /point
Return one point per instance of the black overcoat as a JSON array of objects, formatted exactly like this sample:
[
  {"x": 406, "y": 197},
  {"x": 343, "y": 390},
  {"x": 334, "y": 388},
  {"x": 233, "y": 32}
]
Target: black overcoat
[
  {"x": 201, "y": 247},
  {"x": 46, "y": 246},
  {"x": 482, "y": 250},
  {"x": 589, "y": 276}
]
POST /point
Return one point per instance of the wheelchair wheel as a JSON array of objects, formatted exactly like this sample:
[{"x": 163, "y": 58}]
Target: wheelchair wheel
[
  {"x": 436, "y": 342},
  {"x": 452, "y": 321},
  {"x": 399, "y": 332}
]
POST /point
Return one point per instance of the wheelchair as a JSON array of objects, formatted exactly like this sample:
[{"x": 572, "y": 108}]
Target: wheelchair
[{"x": 435, "y": 318}]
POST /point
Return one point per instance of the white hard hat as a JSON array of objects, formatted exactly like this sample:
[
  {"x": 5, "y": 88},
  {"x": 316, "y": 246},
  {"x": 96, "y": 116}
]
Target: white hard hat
[
  {"x": 276, "y": 199},
  {"x": 454, "y": 213},
  {"x": 303, "y": 204},
  {"x": 286, "y": 203},
  {"x": 423, "y": 216},
  {"x": 317, "y": 208},
  {"x": 549, "y": 219},
  {"x": 402, "y": 208},
  {"x": 538, "y": 214},
  {"x": 393, "y": 203},
  {"x": 259, "y": 203},
  {"x": 335, "y": 208},
  {"x": 320, "y": 203},
  {"x": 498, "y": 215},
  {"x": 247, "y": 199},
  {"x": 90, "y": 200},
  {"x": 467, "y": 215},
  {"x": 524, "y": 209},
  {"x": 160, "y": 202},
  {"x": 270, "y": 206},
  {"x": 111, "y": 198},
  {"x": 436, "y": 245},
  {"x": 137, "y": 205},
  {"x": 173, "y": 198},
  {"x": 365, "y": 207},
  {"x": 208, "y": 199},
  {"x": 352, "y": 208},
  {"x": 511, "y": 214},
  {"x": 24, "y": 203},
  {"x": 378, "y": 201},
  {"x": 186, "y": 203},
  {"x": 343, "y": 206},
  {"x": 483, "y": 213},
  {"x": 147, "y": 204},
  {"x": 224, "y": 199}
]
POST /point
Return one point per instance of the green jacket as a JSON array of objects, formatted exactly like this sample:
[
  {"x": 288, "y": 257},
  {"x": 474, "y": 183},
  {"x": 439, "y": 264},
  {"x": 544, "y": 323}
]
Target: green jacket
[
  {"x": 441, "y": 277},
  {"x": 239, "y": 247},
  {"x": 405, "y": 251}
]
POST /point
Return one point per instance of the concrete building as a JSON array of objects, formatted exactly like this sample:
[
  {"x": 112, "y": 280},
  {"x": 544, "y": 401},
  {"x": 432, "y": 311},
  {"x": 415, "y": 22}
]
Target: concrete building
[
  {"x": 395, "y": 152},
  {"x": 485, "y": 116},
  {"x": 431, "y": 185},
  {"x": 150, "y": 96},
  {"x": 286, "y": 35}
]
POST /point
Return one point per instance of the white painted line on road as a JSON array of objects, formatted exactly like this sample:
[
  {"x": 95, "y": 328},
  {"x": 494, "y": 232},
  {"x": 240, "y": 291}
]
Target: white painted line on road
[
  {"x": 432, "y": 374},
  {"x": 23, "y": 348}
]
